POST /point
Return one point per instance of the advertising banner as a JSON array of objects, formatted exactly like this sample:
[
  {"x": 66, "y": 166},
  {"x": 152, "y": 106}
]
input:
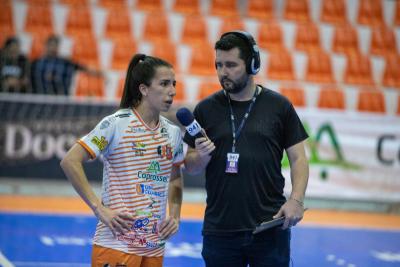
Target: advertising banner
[
  {"x": 351, "y": 155},
  {"x": 35, "y": 136}
]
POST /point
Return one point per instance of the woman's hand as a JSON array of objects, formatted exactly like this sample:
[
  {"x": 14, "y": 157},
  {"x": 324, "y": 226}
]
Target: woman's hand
[
  {"x": 119, "y": 222},
  {"x": 169, "y": 227}
]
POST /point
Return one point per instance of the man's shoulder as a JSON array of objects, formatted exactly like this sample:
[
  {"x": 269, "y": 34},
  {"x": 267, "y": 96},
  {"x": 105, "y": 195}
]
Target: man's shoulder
[
  {"x": 274, "y": 97},
  {"x": 211, "y": 99}
]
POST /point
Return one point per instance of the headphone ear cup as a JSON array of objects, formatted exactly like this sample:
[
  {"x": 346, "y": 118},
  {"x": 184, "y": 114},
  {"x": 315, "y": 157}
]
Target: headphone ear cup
[
  {"x": 253, "y": 65},
  {"x": 256, "y": 61}
]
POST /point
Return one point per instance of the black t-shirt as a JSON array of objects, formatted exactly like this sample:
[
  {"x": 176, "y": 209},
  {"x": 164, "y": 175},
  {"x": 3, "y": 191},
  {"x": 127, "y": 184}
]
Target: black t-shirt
[
  {"x": 13, "y": 68},
  {"x": 239, "y": 202}
]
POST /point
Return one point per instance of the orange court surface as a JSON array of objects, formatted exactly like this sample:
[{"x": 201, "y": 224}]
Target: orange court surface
[{"x": 74, "y": 205}]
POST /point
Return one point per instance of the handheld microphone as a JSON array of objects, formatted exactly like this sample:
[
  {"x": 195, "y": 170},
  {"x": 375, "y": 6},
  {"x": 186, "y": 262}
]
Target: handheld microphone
[{"x": 186, "y": 118}]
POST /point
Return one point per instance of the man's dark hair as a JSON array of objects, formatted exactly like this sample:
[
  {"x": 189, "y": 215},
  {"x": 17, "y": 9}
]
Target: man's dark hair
[
  {"x": 53, "y": 38},
  {"x": 141, "y": 70},
  {"x": 10, "y": 40},
  {"x": 229, "y": 41}
]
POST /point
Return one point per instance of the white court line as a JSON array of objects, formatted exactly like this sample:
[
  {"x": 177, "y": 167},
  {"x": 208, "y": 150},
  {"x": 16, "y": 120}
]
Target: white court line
[{"x": 4, "y": 262}]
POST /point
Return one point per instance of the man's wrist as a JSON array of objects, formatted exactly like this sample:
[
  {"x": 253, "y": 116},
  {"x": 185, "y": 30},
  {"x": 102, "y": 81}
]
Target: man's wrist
[
  {"x": 205, "y": 159},
  {"x": 298, "y": 201}
]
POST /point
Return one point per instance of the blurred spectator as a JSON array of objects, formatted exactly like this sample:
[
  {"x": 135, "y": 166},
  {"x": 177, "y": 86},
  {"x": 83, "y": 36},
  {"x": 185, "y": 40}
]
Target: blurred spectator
[
  {"x": 52, "y": 74},
  {"x": 14, "y": 68}
]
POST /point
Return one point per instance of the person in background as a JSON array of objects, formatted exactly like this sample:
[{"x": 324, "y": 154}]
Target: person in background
[
  {"x": 52, "y": 74},
  {"x": 14, "y": 68},
  {"x": 142, "y": 152},
  {"x": 248, "y": 128}
]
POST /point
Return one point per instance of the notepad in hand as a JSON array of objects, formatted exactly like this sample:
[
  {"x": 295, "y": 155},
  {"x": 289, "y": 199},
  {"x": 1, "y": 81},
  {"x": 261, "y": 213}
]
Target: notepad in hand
[{"x": 269, "y": 224}]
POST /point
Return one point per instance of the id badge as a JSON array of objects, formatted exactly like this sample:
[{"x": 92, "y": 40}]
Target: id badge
[{"x": 232, "y": 163}]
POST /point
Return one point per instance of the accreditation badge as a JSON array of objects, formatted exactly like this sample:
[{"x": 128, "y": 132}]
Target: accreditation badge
[{"x": 232, "y": 163}]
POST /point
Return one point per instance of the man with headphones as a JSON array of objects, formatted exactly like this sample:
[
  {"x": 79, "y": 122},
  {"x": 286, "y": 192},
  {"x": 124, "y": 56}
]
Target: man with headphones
[{"x": 248, "y": 128}]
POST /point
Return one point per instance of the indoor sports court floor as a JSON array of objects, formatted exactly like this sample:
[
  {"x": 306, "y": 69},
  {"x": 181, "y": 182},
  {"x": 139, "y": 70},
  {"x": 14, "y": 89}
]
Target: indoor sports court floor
[{"x": 57, "y": 231}]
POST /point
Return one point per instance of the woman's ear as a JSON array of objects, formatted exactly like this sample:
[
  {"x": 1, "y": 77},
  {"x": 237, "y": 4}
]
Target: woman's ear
[{"x": 143, "y": 89}]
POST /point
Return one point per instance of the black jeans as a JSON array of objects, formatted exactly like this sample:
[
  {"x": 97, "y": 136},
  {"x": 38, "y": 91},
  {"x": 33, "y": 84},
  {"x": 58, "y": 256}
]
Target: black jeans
[{"x": 270, "y": 248}]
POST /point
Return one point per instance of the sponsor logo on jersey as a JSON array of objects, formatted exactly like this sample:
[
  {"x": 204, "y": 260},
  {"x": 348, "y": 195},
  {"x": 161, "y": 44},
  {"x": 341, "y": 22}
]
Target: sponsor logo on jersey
[
  {"x": 101, "y": 142},
  {"x": 148, "y": 213},
  {"x": 104, "y": 124},
  {"x": 133, "y": 239},
  {"x": 144, "y": 213},
  {"x": 141, "y": 240},
  {"x": 164, "y": 132},
  {"x": 150, "y": 244},
  {"x": 137, "y": 237},
  {"x": 124, "y": 115},
  {"x": 154, "y": 167},
  {"x": 139, "y": 148},
  {"x": 144, "y": 189},
  {"x": 134, "y": 129},
  {"x": 153, "y": 177},
  {"x": 154, "y": 229},
  {"x": 140, "y": 225},
  {"x": 153, "y": 201},
  {"x": 179, "y": 151},
  {"x": 165, "y": 151}
]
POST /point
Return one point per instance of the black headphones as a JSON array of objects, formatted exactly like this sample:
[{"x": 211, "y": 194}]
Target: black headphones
[{"x": 253, "y": 62}]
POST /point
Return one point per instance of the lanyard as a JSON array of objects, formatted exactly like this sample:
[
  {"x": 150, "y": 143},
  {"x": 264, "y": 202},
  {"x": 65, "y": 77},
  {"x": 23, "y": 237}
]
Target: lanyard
[{"x": 236, "y": 133}]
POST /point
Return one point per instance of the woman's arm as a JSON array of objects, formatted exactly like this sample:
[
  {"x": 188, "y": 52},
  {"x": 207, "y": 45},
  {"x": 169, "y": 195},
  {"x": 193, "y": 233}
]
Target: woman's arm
[
  {"x": 72, "y": 165},
  {"x": 171, "y": 225}
]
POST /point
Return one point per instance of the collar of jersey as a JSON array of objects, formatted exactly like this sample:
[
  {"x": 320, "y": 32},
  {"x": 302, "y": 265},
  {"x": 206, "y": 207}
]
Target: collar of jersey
[{"x": 145, "y": 125}]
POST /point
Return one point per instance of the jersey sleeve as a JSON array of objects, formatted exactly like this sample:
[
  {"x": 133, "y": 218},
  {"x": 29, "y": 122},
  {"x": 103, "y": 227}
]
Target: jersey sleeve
[
  {"x": 98, "y": 140},
  {"x": 294, "y": 129},
  {"x": 178, "y": 150}
]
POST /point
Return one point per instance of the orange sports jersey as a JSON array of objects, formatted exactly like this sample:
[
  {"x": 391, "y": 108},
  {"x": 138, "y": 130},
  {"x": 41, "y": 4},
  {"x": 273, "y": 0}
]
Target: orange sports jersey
[{"x": 137, "y": 167}]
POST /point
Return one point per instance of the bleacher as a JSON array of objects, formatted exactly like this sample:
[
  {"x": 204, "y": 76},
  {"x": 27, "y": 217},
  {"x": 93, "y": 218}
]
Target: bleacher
[{"x": 331, "y": 54}]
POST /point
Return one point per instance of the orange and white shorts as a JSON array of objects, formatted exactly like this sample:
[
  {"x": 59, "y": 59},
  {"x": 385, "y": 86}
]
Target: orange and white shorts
[{"x": 102, "y": 256}]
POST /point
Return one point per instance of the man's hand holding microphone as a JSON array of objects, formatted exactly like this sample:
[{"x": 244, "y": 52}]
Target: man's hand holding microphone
[{"x": 203, "y": 145}]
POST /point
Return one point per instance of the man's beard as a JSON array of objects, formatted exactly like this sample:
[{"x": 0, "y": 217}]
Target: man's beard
[{"x": 236, "y": 87}]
